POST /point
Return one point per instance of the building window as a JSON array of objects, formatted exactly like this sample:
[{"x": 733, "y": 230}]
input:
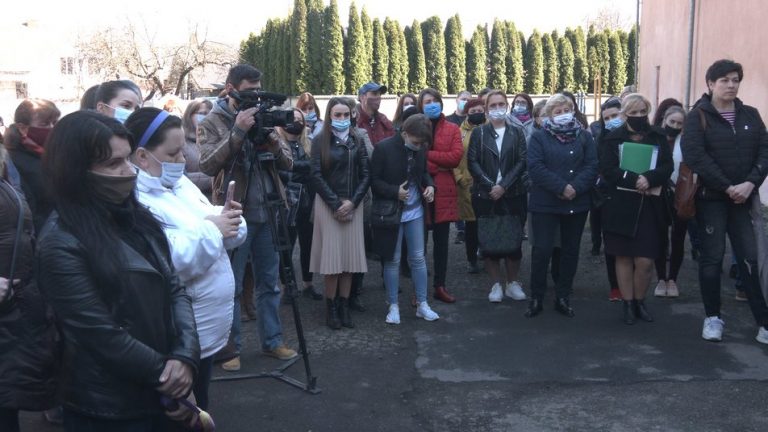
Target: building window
[{"x": 67, "y": 66}]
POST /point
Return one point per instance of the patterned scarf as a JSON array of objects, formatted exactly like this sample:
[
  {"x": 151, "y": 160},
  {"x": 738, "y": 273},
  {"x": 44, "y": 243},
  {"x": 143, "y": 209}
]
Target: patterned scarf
[
  {"x": 523, "y": 117},
  {"x": 565, "y": 133}
]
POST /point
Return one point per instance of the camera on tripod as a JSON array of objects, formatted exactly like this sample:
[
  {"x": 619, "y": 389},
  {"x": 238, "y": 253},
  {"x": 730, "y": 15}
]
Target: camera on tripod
[{"x": 267, "y": 116}]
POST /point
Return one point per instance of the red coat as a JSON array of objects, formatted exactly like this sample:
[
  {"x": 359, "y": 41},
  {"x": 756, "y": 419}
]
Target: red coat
[{"x": 443, "y": 156}]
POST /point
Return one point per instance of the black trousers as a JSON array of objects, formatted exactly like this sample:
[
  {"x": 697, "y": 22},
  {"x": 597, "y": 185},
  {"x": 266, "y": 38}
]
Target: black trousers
[
  {"x": 9, "y": 420},
  {"x": 470, "y": 241},
  {"x": 546, "y": 227},
  {"x": 303, "y": 230},
  {"x": 203, "y": 381},
  {"x": 596, "y": 228},
  {"x": 440, "y": 234},
  {"x": 677, "y": 238}
]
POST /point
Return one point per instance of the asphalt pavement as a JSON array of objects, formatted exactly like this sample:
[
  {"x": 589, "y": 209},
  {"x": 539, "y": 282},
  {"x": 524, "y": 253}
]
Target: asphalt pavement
[{"x": 485, "y": 367}]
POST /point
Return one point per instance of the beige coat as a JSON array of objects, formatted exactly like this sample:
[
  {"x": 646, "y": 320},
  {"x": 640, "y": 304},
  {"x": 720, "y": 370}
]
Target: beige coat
[{"x": 464, "y": 178}]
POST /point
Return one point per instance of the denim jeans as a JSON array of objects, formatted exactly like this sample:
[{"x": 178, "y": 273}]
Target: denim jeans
[
  {"x": 413, "y": 231},
  {"x": 716, "y": 219},
  {"x": 546, "y": 227},
  {"x": 265, "y": 262}
]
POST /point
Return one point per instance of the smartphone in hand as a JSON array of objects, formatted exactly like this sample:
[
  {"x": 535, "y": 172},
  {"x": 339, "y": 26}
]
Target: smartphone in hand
[{"x": 230, "y": 195}]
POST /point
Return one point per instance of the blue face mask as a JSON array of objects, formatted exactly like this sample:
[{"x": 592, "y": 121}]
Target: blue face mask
[
  {"x": 460, "y": 104},
  {"x": 199, "y": 118},
  {"x": 519, "y": 109},
  {"x": 433, "y": 110},
  {"x": 340, "y": 125},
  {"x": 122, "y": 114},
  {"x": 310, "y": 117},
  {"x": 172, "y": 172},
  {"x": 614, "y": 123}
]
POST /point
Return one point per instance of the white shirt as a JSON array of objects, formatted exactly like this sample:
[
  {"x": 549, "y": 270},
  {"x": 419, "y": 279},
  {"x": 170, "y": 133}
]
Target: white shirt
[
  {"x": 677, "y": 157},
  {"x": 198, "y": 252},
  {"x": 499, "y": 142}
]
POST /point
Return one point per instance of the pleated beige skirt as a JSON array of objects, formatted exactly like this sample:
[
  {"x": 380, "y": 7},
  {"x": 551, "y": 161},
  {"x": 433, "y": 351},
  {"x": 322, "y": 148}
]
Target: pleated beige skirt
[{"x": 337, "y": 247}]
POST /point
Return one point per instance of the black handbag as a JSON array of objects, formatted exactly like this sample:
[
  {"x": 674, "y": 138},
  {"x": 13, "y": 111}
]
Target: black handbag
[
  {"x": 14, "y": 255},
  {"x": 293, "y": 197},
  {"x": 386, "y": 212},
  {"x": 499, "y": 234}
]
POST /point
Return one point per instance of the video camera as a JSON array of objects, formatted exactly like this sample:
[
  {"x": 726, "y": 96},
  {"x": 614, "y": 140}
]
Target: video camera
[{"x": 267, "y": 115}]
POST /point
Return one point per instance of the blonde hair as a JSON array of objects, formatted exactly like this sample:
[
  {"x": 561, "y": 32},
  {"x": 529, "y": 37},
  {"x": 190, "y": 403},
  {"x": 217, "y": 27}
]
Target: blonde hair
[
  {"x": 302, "y": 139},
  {"x": 556, "y": 100},
  {"x": 631, "y": 101}
]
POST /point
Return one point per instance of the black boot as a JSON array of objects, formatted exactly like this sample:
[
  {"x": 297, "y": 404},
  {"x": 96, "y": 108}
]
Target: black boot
[
  {"x": 332, "y": 314},
  {"x": 641, "y": 311},
  {"x": 346, "y": 318},
  {"x": 564, "y": 307},
  {"x": 629, "y": 312},
  {"x": 534, "y": 308},
  {"x": 354, "y": 298}
]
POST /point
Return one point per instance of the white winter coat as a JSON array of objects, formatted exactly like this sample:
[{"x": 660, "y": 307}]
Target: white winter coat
[{"x": 199, "y": 254}]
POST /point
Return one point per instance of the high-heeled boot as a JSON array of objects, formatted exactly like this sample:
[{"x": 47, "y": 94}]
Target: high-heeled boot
[
  {"x": 629, "y": 312},
  {"x": 332, "y": 314},
  {"x": 346, "y": 317},
  {"x": 641, "y": 311}
]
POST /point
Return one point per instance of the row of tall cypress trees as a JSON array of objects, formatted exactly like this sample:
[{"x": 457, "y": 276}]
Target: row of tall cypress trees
[{"x": 311, "y": 51}]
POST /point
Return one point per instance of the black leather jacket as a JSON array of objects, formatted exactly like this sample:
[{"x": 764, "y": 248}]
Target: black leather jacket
[
  {"x": 484, "y": 161},
  {"x": 348, "y": 174},
  {"x": 302, "y": 166},
  {"x": 115, "y": 350}
]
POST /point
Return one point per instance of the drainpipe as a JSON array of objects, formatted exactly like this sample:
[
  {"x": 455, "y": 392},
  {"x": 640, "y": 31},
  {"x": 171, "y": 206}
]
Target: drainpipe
[
  {"x": 690, "y": 54},
  {"x": 637, "y": 43}
]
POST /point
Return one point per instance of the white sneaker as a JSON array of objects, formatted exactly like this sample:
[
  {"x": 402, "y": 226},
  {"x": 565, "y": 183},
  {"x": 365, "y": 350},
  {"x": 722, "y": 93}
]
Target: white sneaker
[
  {"x": 393, "y": 317},
  {"x": 661, "y": 289},
  {"x": 495, "y": 295},
  {"x": 713, "y": 329},
  {"x": 424, "y": 311},
  {"x": 515, "y": 291},
  {"x": 672, "y": 290},
  {"x": 762, "y": 336}
]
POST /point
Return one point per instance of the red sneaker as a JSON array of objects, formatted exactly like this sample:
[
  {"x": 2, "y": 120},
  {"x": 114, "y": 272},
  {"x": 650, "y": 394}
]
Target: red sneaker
[{"x": 615, "y": 295}]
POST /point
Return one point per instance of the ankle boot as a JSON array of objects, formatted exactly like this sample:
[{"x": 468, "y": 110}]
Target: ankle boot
[
  {"x": 354, "y": 299},
  {"x": 641, "y": 311},
  {"x": 332, "y": 319},
  {"x": 629, "y": 312},
  {"x": 563, "y": 306},
  {"x": 346, "y": 318},
  {"x": 534, "y": 308}
]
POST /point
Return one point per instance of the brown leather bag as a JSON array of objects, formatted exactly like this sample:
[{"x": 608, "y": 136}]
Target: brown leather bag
[{"x": 687, "y": 184}]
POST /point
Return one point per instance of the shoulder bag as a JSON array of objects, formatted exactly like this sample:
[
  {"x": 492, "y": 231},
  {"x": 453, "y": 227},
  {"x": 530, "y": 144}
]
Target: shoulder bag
[{"x": 687, "y": 184}]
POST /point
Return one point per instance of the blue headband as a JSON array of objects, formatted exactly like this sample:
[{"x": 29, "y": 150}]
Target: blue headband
[{"x": 161, "y": 116}]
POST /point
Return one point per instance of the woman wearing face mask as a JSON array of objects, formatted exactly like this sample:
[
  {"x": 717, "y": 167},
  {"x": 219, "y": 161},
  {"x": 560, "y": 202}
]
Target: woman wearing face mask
[
  {"x": 562, "y": 164},
  {"x": 522, "y": 111},
  {"x": 340, "y": 178},
  {"x": 475, "y": 109},
  {"x": 401, "y": 188},
  {"x": 118, "y": 99},
  {"x": 198, "y": 233},
  {"x": 193, "y": 115},
  {"x": 406, "y": 101},
  {"x": 726, "y": 144},
  {"x": 105, "y": 268},
  {"x": 295, "y": 135},
  {"x": 25, "y": 141},
  {"x": 497, "y": 162},
  {"x": 460, "y": 114},
  {"x": 443, "y": 155},
  {"x": 673, "y": 121},
  {"x": 610, "y": 119},
  {"x": 635, "y": 215},
  {"x": 308, "y": 106}
]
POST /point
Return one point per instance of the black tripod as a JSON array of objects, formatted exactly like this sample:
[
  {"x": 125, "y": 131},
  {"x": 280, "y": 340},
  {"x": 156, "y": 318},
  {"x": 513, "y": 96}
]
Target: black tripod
[{"x": 278, "y": 220}]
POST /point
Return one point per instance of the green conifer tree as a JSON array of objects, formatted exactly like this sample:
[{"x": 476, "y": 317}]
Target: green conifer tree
[
  {"x": 567, "y": 61},
  {"x": 456, "y": 56},
  {"x": 477, "y": 77},
  {"x": 380, "y": 54},
  {"x": 534, "y": 64},
  {"x": 497, "y": 77},
  {"x": 417, "y": 76},
  {"x": 333, "y": 51},
  {"x": 299, "y": 61},
  {"x": 551, "y": 64},
  {"x": 434, "y": 53},
  {"x": 515, "y": 68}
]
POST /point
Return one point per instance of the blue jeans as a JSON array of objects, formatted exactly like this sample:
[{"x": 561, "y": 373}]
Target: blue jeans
[
  {"x": 716, "y": 219},
  {"x": 265, "y": 262},
  {"x": 414, "y": 238}
]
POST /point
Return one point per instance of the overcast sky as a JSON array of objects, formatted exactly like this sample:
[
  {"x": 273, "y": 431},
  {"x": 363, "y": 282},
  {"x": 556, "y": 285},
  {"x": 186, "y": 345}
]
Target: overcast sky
[{"x": 233, "y": 24}]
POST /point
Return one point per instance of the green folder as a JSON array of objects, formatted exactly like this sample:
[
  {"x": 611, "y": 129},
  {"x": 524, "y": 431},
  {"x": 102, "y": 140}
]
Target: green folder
[{"x": 638, "y": 158}]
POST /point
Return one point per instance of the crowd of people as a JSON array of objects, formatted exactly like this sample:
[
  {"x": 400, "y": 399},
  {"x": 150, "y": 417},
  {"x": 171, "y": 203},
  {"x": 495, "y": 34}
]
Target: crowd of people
[{"x": 134, "y": 242}]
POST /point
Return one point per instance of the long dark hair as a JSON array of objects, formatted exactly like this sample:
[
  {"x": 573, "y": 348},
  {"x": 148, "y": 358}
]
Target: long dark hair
[
  {"x": 661, "y": 110},
  {"x": 326, "y": 134},
  {"x": 78, "y": 141},
  {"x": 140, "y": 120}
]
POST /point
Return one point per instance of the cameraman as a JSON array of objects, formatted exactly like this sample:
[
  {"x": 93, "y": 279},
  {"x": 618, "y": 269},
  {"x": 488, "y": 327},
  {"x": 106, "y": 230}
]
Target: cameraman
[{"x": 225, "y": 152}]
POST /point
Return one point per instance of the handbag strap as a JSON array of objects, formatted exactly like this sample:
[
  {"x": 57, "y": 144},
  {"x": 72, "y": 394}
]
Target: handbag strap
[{"x": 17, "y": 240}]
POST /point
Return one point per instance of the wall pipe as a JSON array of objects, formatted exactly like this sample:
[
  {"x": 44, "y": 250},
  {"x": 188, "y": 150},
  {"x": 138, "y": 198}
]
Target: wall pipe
[{"x": 691, "y": 28}]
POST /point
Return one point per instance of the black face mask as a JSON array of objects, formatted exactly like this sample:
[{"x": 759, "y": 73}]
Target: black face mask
[
  {"x": 476, "y": 119},
  {"x": 672, "y": 132},
  {"x": 639, "y": 124},
  {"x": 295, "y": 128}
]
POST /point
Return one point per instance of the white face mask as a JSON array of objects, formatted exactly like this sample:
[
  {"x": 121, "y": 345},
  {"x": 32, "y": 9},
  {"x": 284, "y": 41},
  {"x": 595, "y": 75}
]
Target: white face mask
[
  {"x": 171, "y": 172},
  {"x": 497, "y": 114},
  {"x": 562, "y": 119}
]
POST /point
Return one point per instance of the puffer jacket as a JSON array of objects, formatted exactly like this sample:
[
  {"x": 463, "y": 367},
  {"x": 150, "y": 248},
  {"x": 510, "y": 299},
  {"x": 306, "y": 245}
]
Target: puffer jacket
[
  {"x": 485, "y": 162},
  {"x": 27, "y": 336},
  {"x": 115, "y": 347},
  {"x": 724, "y": 155},
  {"x": 463, "y": 177},
  {"x": 443, "y": 156},
  {"x": 198, "y": 252},
  {"x": 27, "y": 164},
  {"x": 215, "y": 137},
  {"x": 348, "y": 175}
]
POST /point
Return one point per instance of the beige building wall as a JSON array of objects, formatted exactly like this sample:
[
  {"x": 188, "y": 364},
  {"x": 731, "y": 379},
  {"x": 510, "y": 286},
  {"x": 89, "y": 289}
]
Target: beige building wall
[{"x": 731, "y": 29}]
